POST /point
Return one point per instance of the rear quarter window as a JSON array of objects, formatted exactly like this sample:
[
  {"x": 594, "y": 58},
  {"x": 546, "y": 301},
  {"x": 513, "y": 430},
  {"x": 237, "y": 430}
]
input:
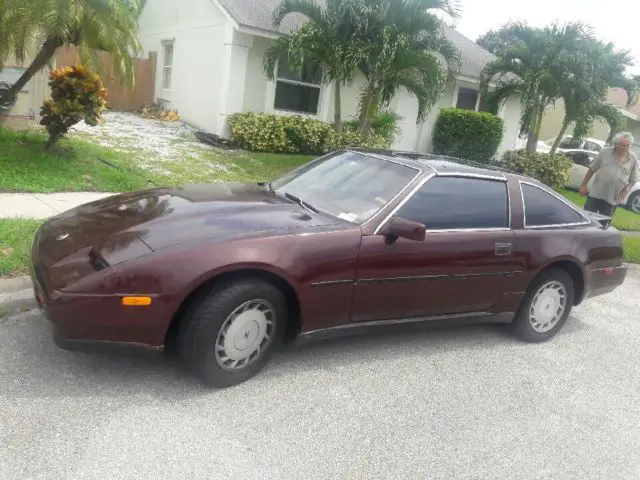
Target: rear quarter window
[{"x": 541, "y": 209}]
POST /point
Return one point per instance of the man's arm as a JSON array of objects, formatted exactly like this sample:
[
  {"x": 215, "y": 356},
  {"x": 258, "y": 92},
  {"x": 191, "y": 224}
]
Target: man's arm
[
  {"x": 633, "y": 178},
  {"x": 585, "y": 182},
  {"x": 593, "y": 168}
]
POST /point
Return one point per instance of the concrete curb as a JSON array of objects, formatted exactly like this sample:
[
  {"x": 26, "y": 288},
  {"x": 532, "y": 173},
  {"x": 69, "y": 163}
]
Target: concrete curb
[{"x": 16, "y": 295}]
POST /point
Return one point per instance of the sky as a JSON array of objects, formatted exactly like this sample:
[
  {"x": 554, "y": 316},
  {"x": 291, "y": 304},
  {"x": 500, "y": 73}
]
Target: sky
[{"x": 617, "y": 22}]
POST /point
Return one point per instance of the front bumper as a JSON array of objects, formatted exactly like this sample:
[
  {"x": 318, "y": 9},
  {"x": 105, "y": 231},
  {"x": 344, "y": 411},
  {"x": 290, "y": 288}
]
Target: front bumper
[{"x": 88, "y": 322}]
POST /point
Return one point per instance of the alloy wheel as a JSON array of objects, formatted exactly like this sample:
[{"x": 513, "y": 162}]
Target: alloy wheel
[
  {"x": 245, "y": 334},
  {"x": 548, "y": 306}
]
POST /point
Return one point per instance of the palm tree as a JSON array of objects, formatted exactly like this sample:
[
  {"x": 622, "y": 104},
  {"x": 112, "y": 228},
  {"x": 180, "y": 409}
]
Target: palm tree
[
  {"x": 7, "y": 10},
  {"x": 324, "y": 44},
  {"x": 606, "y": 112},
  {"x": 43, "y": 26},
  {"x": 594, "y": 68},
  {"x": 530, "y": 68},
  {"x": 405, "y": 47}
]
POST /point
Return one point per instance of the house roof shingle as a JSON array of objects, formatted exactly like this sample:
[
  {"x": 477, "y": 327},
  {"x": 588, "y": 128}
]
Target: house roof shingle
[{"x": 258, "y": 14}]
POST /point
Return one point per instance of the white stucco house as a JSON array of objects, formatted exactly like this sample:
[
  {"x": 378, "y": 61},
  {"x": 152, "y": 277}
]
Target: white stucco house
[{"x": 210, "y": 65}]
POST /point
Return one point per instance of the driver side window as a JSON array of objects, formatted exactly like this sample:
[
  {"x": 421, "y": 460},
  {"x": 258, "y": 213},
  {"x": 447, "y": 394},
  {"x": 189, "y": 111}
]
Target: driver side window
[
  {"x": 452, "y": 203},
  {"x": 592, "y": 146}
]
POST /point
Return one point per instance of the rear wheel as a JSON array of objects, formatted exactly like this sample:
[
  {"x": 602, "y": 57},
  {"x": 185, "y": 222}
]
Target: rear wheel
[
  {"x": 634, "y": 202},
  {"x": 546, "y": 306},
  {"x": 228, "y": 335}
]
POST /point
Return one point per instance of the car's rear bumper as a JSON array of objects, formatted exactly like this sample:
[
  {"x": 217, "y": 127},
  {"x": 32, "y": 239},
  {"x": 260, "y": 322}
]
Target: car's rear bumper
[{"x": 605, "y": 280}]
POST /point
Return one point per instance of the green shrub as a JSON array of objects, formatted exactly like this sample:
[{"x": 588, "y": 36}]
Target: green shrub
[
  {"x": 264, "y": 132},
  {"x": 351, "y": 138},
  {"x": 552, "y": 170},
  {"x": 307, "y": 135},
  {"x": 467, "y": 134},
  {"x": 384, "y": 125},
  {"x": 76, "y": 94},
  {"x": 260, "y": 132}
]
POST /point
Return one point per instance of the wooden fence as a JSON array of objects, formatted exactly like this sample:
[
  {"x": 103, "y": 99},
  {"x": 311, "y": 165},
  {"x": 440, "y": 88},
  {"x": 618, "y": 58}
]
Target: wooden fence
[{"x": 120, "y": 97}]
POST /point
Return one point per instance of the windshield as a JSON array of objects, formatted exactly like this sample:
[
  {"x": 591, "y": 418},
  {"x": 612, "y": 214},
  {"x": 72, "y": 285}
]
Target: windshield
[
  {"x": 571, "y": 143},
  {"x": 349, "y": 185}
]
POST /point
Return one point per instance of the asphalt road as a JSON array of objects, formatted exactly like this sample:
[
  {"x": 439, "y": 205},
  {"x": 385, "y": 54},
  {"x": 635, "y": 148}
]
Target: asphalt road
[{"x": 457, "y": 403}]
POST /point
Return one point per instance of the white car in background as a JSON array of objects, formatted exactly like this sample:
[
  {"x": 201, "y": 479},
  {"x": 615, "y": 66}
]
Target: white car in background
[
  {"x": 581, "y": 161},
  {"x": 568, "y": 143}
]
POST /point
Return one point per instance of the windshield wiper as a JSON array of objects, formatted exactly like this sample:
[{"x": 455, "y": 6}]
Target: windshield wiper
[{"x": 300, "y": 202}]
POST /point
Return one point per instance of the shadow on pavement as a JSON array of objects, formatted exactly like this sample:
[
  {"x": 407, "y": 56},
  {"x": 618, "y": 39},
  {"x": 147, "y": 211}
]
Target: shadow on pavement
[{"x": 33, "y": 365}]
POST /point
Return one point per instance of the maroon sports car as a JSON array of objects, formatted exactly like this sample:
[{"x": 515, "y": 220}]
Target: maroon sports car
[{"x": 223, "y": 273}]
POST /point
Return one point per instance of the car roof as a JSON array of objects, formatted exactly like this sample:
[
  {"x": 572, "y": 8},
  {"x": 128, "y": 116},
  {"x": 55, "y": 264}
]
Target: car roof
[{"x": 439, "y": 164}]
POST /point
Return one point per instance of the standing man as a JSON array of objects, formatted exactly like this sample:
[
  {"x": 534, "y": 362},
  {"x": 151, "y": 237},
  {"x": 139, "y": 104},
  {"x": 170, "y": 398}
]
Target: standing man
[{"x": 616, "y": 171}]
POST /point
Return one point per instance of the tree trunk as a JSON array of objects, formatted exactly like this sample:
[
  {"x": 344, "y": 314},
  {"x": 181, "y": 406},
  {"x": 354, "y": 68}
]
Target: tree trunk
[
  {"x": 337, "y": 107},
  {"x": 45, "y": 54},
  {"x": 364, "y": 114},
  {"x": 373, "y": 103},
  {"x": 556, "y": 142},
  {"x": 540, "y": 116},
  {"x": 53, "y": 139},
  {"x": 532, "y": 142},
  {"x": 534, "y": 129}
]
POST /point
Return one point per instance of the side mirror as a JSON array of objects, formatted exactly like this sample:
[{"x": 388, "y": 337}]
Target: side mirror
[{"x": 403, "y": 228}]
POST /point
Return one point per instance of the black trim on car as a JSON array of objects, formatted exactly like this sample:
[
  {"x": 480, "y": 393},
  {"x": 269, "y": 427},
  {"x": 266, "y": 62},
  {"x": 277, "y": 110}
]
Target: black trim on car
[
  {"x": 400, "y": 324},
  {"x": 413, "y": 278}
]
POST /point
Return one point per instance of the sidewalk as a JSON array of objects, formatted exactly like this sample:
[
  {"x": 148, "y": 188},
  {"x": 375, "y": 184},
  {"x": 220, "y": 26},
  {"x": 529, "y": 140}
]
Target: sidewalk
[{"x": 43, "y": 205}]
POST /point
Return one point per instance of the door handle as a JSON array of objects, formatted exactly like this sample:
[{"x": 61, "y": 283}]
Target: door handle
[{"x": 502, "y": 249}]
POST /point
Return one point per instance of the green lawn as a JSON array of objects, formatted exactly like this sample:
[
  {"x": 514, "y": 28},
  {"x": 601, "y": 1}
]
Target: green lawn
[
  {"x": 78, "y": 164},
  {"x": 214, "y": 165},
  {"x": 622, "y": 220},
  {"x": 632, "y": 249},
  {"x": 15, "y": 242},
  {"x": 70, "y": 166}
]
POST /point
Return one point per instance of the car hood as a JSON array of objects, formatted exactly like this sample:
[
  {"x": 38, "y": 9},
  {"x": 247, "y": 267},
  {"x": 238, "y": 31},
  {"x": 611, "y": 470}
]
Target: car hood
[{"x": 164, "y": 217}]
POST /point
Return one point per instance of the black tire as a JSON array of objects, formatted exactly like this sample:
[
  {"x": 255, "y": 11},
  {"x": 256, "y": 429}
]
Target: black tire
[
  {"x": 634, "y": 202},
  {"x": 205, "y": 318},
  {"x": 522, "y": 325}
]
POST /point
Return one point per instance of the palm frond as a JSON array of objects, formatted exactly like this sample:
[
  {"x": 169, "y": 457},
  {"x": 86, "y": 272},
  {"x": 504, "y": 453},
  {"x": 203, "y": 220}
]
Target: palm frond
[
  {"x": 309, "y": 8},
  {"x": 105, "y": 25},
  {"x": 277, "y": 49},
  {"x": 610, "y": 114}
]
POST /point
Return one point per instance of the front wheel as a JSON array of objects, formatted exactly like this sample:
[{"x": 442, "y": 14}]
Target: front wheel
[
  {"x": 229, "y": 335},
  {"x": 546, "y": 306},
  {"x": 634, "y": 202}
]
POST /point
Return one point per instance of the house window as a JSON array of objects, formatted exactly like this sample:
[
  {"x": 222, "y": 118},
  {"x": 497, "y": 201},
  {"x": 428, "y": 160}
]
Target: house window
[
  {"x": 11, "y": 75},
  {"x": 297, "y": 93},
  {"x": 467, "y": 98},
  {"x": 167, "y": 65},
  {"x": 485, "y": 107}
]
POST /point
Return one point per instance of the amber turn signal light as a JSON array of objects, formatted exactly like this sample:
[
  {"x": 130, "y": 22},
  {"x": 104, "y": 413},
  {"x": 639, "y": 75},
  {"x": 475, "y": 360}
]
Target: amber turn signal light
[{"x": 136, "y": 301}]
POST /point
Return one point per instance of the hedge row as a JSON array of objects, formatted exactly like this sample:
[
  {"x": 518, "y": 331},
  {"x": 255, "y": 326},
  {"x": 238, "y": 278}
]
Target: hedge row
[
  {"x": 264, "y": 132},
  {"x": 552, "y": 170},
  {"x": 467, "y": 134}
]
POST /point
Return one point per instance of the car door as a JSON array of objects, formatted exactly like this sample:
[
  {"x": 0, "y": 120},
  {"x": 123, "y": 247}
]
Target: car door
[{"x": 463, "y": 265}]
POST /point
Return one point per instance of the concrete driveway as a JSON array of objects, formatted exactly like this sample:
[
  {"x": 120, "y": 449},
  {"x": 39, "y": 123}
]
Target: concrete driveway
[{"x": 456, "y": 403}]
